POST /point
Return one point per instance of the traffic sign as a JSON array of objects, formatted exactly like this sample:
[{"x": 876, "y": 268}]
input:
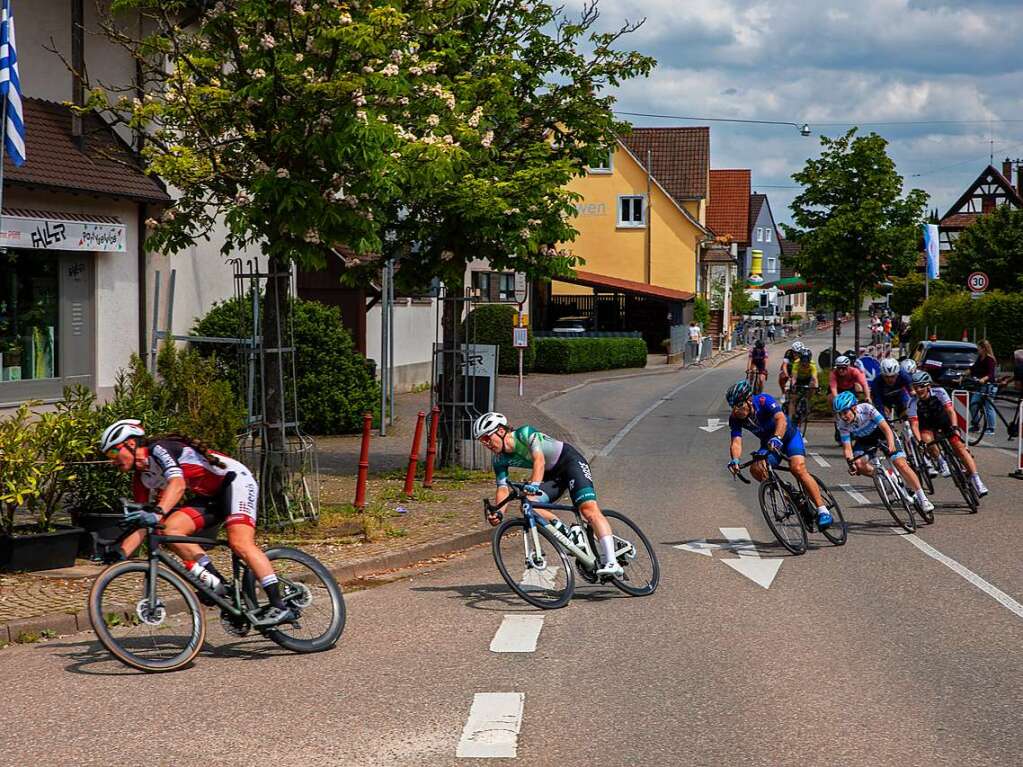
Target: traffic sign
[
  {"x": 977, "y": 282},
  {"x": 871, "y": 367},
  {"x": 961, "y": 405},
  {"x": 520, "y": 287},
  {"x": 520, "y": 338}
]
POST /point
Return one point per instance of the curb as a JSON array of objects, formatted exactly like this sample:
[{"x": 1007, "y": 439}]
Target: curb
[{"x": 71, "y": 623}]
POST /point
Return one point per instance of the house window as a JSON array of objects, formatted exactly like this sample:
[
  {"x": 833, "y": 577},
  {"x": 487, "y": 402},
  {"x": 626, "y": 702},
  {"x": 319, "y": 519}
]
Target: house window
[
  {"x": 770, "y": 264},
  {"x": 481, "y": 284},
  {"x": 767, "y": 234},
  {"x": 29, "y": 317},
  {"x": 506, "y": 286},
  {"x": 631, "y": 211},
  {"x": 604, "y": 165},
  {"x": 760, "y": 234}
]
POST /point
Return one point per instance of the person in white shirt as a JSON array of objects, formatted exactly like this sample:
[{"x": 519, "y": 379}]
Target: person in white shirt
[{"x": 695, "y": 338}]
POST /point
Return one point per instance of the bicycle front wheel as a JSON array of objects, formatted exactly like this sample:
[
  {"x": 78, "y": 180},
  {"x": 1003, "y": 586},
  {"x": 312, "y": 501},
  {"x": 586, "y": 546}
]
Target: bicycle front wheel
[
  {"x": 635, "y": 555},
  {"x": 919, "y": 464},
  {"x": 308, "y": 588},
  {"x": 802, "y": 415},
  {"x": 978, "y": 421},
  {"x": 898, "y": 504},
  {"x": 962, "y": 482},
  {"x": 158, "y": 629},
  {"x": 838, "y": 531},
  {"x": 533, "y": 564},
  {"x": 783, "y": 517}
]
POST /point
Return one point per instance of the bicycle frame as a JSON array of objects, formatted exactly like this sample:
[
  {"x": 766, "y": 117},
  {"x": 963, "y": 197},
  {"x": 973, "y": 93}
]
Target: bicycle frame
[{"x": 535, "y": 519}]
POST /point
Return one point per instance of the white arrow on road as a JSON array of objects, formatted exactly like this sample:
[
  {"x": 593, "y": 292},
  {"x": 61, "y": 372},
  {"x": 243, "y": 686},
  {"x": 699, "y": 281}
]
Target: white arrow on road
[
  {"x": 699, "y": 547},
  {"x": 713, "y": 424},
  {"x": 749, "y": 563}
]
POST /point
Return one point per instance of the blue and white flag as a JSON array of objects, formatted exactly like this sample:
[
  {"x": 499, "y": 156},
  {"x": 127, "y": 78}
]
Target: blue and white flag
[
  {"x": 931, "y": 246},
  {"x": 10, "y": 87}
]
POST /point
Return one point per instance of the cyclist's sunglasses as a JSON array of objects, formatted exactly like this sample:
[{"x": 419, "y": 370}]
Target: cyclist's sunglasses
[
  {"x": 114, "y": 452},
  {"x": 921, "y": 387}
]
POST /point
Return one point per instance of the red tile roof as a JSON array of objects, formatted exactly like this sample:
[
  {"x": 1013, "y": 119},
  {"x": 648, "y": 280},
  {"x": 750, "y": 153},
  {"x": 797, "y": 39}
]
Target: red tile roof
[
  {"x": 728, "y": 207},
  {"x": 679, "y": 158},
  {"x": 53, "y": 161},
  {"x": 594, "y": 280},
  {"x": 959, "y": 220}
]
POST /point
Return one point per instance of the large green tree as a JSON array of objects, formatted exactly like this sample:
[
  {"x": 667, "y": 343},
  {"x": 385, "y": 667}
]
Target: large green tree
[
  {"x": 994, "y": 245},
  {"x": 853, "y": 221}
]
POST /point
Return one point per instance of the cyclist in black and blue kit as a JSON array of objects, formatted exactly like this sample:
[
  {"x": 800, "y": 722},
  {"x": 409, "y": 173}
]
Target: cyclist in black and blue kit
[
  {"x": 764, "y": 417},
  {"x": 892, "y": 389}
]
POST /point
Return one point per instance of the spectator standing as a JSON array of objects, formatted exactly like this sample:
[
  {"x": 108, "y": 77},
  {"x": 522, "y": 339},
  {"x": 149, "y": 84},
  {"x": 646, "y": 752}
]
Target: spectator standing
[
  {"x": 695, "y": 340},
  {"x": 984, "y": 371}
]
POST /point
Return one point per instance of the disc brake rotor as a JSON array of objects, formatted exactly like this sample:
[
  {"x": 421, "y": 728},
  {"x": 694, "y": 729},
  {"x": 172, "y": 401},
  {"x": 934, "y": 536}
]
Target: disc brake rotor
[{"x": 151, "y": 615}]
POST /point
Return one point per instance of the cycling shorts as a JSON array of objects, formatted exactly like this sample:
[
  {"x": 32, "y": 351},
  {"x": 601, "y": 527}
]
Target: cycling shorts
[
  {"x": 571, "y": 473},
  {"x": 792, "y": 445},
  {"x": 874, "y": 441},
  {"x": 234, "y": 503},
  {"x": 940, "y": 425}
]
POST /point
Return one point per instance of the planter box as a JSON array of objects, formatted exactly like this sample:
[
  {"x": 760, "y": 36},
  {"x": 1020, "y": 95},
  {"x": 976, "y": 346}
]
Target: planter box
[{"x": 40, "y": 551}]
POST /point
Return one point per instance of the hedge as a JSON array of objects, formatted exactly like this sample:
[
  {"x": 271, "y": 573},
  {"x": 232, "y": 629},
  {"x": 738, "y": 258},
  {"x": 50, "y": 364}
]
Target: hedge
[
  {"x": 577, "y": 355},
  {"x": 996, "y": 316},
  {"x": 492, "y": 324}
]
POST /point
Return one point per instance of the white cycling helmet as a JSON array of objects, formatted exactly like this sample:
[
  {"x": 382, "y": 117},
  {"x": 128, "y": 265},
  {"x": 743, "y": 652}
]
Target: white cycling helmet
[
  {"x": 841, "y": 361},
  {"x": 797, "y": 346},
  {"x": 487, "y": 424},
  {"x": 119, "y": 431},
  {"x": 889, "y": 367},
  {"x": 908, "y": 366}
]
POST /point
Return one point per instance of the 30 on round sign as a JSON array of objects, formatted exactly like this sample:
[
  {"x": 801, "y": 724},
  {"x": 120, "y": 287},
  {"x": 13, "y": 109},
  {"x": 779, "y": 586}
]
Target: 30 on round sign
[{"x": 977, "y": 282}]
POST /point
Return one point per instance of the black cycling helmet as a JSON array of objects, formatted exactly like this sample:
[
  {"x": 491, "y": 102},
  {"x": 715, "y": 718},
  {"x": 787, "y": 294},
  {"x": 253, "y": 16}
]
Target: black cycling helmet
[
  {"x": 738, "y": 392},
  {"x": 758, "y": 344},
  {"x": 806, "y": 355}
]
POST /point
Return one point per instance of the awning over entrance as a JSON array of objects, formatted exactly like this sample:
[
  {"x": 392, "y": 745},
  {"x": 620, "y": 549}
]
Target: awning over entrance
[
  {"x": 51, "y": 230},
  {"x": 603, "y": 282}
]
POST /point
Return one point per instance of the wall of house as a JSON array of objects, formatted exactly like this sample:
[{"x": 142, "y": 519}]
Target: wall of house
[
  {"x": 620, "y": 251},
  {"x": 771, "y": 250},
  {"x": 416, "y": 324}
]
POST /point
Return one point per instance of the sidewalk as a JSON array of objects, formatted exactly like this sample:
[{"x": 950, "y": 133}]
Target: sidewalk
[{"x": 435, "y": 524}]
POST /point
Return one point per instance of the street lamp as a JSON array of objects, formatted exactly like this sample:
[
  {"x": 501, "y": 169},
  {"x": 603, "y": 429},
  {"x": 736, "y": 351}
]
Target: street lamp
[{"x": 804, "y": 129}]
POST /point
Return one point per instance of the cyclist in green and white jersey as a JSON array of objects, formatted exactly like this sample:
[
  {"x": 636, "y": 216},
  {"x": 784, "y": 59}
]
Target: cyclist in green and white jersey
[{"x": 555, "y": 467}]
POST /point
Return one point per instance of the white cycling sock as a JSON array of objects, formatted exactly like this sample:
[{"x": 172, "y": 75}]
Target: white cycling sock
[
  {"x": 823, "y": 510},
  {"x": 607, "y": 549},
  {"x": 920, "y": 495}
]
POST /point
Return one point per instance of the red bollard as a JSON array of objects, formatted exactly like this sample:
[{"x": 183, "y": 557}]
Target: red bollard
[
  {"x": 360, "y": 484},
  {"x": 431, "y": 447},
  {"x": 413, "y": 457}
]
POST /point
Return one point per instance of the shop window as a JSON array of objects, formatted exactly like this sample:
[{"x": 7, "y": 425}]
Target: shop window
[
  {"x": 29, "y": 316},
  {"x": 631, "y": 211}
]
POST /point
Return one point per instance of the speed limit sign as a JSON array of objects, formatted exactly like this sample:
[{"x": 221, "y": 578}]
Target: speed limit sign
[{"x": 977, "y": 282}]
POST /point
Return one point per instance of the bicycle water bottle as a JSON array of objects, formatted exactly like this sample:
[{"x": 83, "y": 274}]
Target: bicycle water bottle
[{"x": 207, "y": 579}]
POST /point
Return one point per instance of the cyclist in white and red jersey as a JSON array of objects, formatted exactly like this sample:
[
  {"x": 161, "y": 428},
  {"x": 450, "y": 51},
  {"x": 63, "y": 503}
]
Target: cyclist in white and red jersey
[{"x": 223, "y": 490}]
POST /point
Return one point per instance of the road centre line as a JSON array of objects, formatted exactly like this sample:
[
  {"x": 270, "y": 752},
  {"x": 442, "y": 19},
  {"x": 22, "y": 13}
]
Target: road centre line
[
  {"x": 517, "y": 633},
  {"x": 994, "y": 592},
  {"x": 820, "y": 460},
  {"x": 606, "y": 450},
  {"x": 856, "y": 495},
  {"x": 492, "y": 730}
]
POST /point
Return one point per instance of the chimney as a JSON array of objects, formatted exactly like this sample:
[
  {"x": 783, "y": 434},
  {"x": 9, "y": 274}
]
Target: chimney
[{"x": 1007, "y": 169}]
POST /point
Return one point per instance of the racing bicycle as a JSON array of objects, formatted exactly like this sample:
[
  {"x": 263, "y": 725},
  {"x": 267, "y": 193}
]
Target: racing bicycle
[
  {"x": 801, "y": 411},
  {"x": 147, "y": 612},
  {"x": 892, "y": 490},
  {"x": 979, "y": 421},
  {"x": 958, "y": 474},
  {"x": 536, "y": 560},
  {"x": 788, "y": 510},
  {"x": 917, "y": 457}
]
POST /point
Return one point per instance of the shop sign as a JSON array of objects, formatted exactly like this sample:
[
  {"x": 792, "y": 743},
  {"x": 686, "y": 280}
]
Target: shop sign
[{"x": 58, "y": 234}]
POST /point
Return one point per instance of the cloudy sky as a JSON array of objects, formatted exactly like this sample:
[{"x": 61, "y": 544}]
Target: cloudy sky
[{"x": 832, "y": 64}]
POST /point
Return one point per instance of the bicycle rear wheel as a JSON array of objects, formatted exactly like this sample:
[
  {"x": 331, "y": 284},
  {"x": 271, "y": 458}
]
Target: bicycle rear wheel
[
  {"x": 916, "y": 456},
  {"x": 308, "y": 588},
  {"x": 163, "y": 634},
  {"x": 782, "y": 516},
  {"x": 896, "y": 502},
  {"x": 978, "y": 420},
  {"x": 962, "y": 482},
  {"x": 838, "y": 531},
  {"x": 535, "y": 567},
  {"x": 802, "y": 414},
  {"x": 635, "y": 555}
]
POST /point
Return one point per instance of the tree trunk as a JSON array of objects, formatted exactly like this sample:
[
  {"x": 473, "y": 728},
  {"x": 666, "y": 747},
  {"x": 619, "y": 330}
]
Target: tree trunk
[
  {"x": 834, "y": 334},
  {"x": 276, "y": 376},
  {"x": 856, "y": 321}
]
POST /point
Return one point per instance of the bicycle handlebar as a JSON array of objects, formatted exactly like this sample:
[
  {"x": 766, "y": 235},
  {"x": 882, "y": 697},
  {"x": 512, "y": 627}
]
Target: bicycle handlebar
[{"x": 494, "y": 509}]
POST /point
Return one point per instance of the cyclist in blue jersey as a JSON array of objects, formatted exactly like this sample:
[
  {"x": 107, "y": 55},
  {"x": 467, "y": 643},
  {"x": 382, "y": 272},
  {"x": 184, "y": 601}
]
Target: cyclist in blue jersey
[
  {"x": 863, "y": 429},
  {"x": 764, "y": 417},
  {"x": 757, "y": 361},
  {"x": 892, "y": 390}
]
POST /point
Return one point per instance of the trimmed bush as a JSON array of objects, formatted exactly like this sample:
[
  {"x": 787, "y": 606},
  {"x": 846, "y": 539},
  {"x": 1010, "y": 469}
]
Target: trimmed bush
[
  {"x": 492, "y": 324},
  {"x": 335, "y": 385},
  {"x": 577, "y": 355},
  {"x": 997, "y": 314}
]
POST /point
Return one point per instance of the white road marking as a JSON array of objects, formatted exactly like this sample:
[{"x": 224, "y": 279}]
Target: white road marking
[
  {"x": 713, "y": 424},
  {"x": 856, "y": 495},
  {"x": 820, "y": 460},
  {"x": 517, "y": 633},
  {"x": 699, "y": 547},
  {"x": 994, "y": 592},
  {"x": 492, "y": 731},
  {"x": 535, "y": 579},
  {"x": 606, "y": 451},
  {"x": 749, "y": 563}
]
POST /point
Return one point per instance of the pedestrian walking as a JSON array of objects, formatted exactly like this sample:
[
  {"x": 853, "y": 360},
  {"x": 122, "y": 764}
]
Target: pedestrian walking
[{"x": 695, "y": 340}]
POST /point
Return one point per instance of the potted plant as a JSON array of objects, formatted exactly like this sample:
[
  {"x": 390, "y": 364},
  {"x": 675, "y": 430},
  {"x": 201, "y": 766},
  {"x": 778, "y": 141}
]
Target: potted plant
[{"x": 31, "y": 474}]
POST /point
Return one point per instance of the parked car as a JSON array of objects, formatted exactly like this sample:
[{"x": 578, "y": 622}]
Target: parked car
[
  {"x": 571, "y": 325},
  {"x": 946, "y": 361}
]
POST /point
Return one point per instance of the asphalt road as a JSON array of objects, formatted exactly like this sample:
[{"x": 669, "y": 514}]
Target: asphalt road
[{"x": 870, "y": 654}]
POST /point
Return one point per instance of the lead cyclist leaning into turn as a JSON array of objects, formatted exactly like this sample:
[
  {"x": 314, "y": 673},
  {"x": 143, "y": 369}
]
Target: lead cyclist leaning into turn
[
  {"x": 763, "y": 416},
  {"x": 555, "y": 467}
]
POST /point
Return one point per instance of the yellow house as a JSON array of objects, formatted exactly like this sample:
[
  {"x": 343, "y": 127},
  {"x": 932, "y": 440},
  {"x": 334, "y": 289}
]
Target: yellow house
[{"x": 641, "y": 223}]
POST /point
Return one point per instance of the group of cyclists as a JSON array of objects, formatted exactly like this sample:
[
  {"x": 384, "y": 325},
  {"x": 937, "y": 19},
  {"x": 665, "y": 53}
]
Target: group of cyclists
[{"x": 862, "y": 411}]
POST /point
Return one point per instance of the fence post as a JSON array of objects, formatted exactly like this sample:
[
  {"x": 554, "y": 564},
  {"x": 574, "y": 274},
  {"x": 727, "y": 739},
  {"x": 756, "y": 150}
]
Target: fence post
[
  {"x": 413, "y": 458},
  {"x": 360, "y": 483},
  {"x": 431, "y": 447}
]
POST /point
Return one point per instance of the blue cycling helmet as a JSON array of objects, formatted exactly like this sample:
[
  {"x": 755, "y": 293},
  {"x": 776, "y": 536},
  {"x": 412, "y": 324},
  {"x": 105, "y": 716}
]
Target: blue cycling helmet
[
  {"x": 844, "y": 401},
  {"x": 738, "y": 392}
]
